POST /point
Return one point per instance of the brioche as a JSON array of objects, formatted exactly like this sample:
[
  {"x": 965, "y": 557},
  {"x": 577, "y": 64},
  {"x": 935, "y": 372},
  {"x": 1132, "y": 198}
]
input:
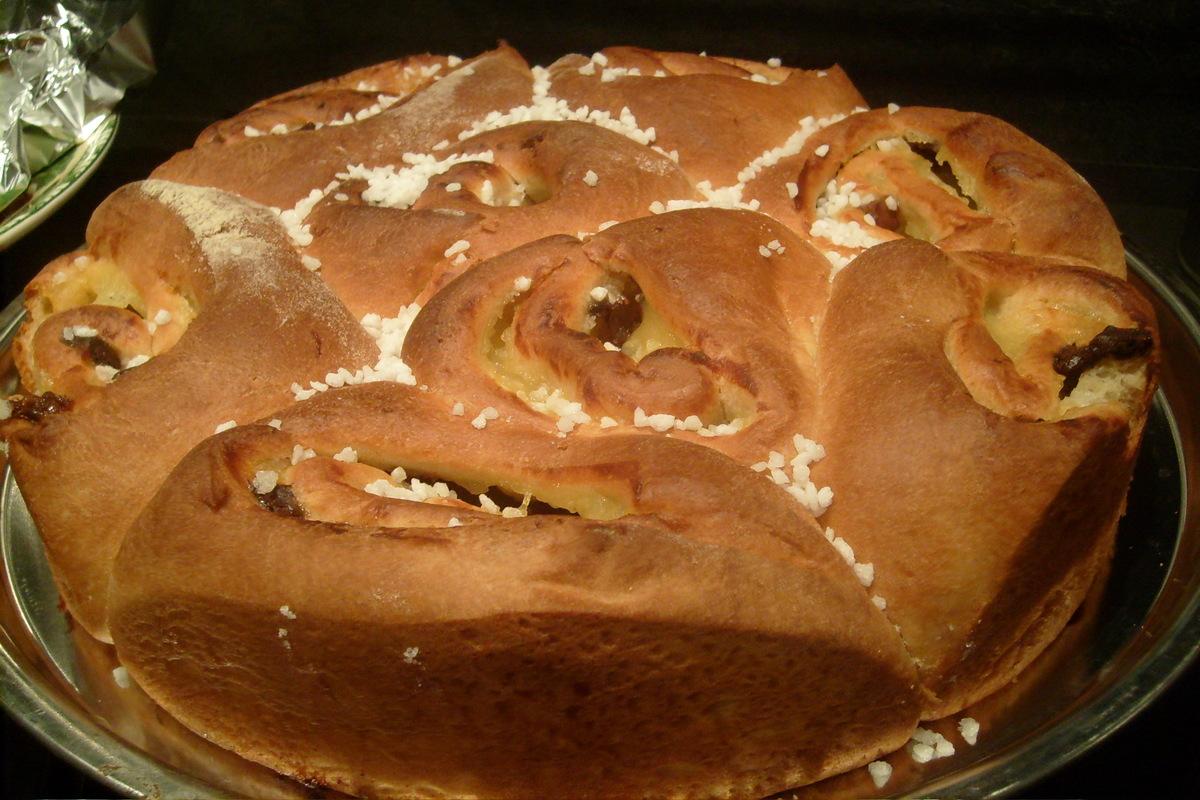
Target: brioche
[
  {"x": 647, "y": 425},
  {"x": 504, "y": 640},
  {"x": 963, "y": 181},
  {"x": 241, "y": 317}
]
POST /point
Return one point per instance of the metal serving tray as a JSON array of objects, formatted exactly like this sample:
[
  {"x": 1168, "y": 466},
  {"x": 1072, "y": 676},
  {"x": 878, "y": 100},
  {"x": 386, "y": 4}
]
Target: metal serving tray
[{"x": 1139, "y": 629}]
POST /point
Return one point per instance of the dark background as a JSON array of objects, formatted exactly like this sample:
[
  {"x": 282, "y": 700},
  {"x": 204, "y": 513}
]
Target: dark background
[{"x": 1107, "y": 85}]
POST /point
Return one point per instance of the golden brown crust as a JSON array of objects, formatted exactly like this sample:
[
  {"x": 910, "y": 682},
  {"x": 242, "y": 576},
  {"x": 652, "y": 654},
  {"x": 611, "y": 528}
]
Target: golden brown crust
[
  {"x": 281, "y": 170},
  {"x": 359, "y": 93},
  {"x": 1012, "y": 194},
  {"x": 738, "y": 330},
  {"x": 975, "y": 522},
  {"x": 516, "y": 656},
  {"x": 262, "y": 322},
  {"x": 686, "y": 630},
  {"x": 710, "y": 111},
  {"x": 533, "y": 186}
]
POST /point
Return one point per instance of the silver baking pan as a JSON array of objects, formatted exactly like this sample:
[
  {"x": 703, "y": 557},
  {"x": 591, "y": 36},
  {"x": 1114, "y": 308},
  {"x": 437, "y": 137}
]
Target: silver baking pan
[{"x": 1139, "y": 629}]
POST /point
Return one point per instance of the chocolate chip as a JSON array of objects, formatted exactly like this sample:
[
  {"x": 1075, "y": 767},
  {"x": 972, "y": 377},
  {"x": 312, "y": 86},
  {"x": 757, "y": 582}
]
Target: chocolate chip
[
  {"x": 884, "y": 217},
  {"x": 616, "y": 320},
  {"x": 281, "y": 500},
  {"x": 619, "y": 314},
  {"x": 35, "y": 407},
  {"x": 1112, "y": 342},
  {"x": 98, "y": 351}
]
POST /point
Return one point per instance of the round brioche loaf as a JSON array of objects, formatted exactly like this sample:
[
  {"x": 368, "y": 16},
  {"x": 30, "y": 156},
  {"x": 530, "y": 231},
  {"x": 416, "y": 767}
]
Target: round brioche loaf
[{"x": 539, "y": 381}]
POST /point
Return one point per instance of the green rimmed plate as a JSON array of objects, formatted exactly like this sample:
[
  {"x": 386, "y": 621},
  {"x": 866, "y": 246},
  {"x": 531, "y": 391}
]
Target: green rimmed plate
[{"x": 57, "y": 182}]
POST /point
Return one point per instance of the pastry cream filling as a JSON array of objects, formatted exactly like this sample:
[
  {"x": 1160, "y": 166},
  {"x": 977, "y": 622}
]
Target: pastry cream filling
[
  {"x": 654, "y": 333},
  {"x": 540, "y": 387},
  {"x": 906, "y": 186},
  {"x": 1030, "y": 328},
  {"x": 89, "y": 281},
  {"x": 318, "y": 485},
  {"x": 98, "y": 303}
]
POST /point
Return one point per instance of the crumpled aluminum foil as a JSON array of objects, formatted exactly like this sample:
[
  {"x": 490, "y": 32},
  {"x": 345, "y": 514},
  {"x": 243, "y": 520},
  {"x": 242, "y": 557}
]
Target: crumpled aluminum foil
[{"x": 64, "y": 65}]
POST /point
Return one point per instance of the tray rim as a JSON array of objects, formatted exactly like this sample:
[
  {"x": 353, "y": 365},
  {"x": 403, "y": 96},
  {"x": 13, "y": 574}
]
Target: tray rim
[{"x": 95, "y": 750}]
